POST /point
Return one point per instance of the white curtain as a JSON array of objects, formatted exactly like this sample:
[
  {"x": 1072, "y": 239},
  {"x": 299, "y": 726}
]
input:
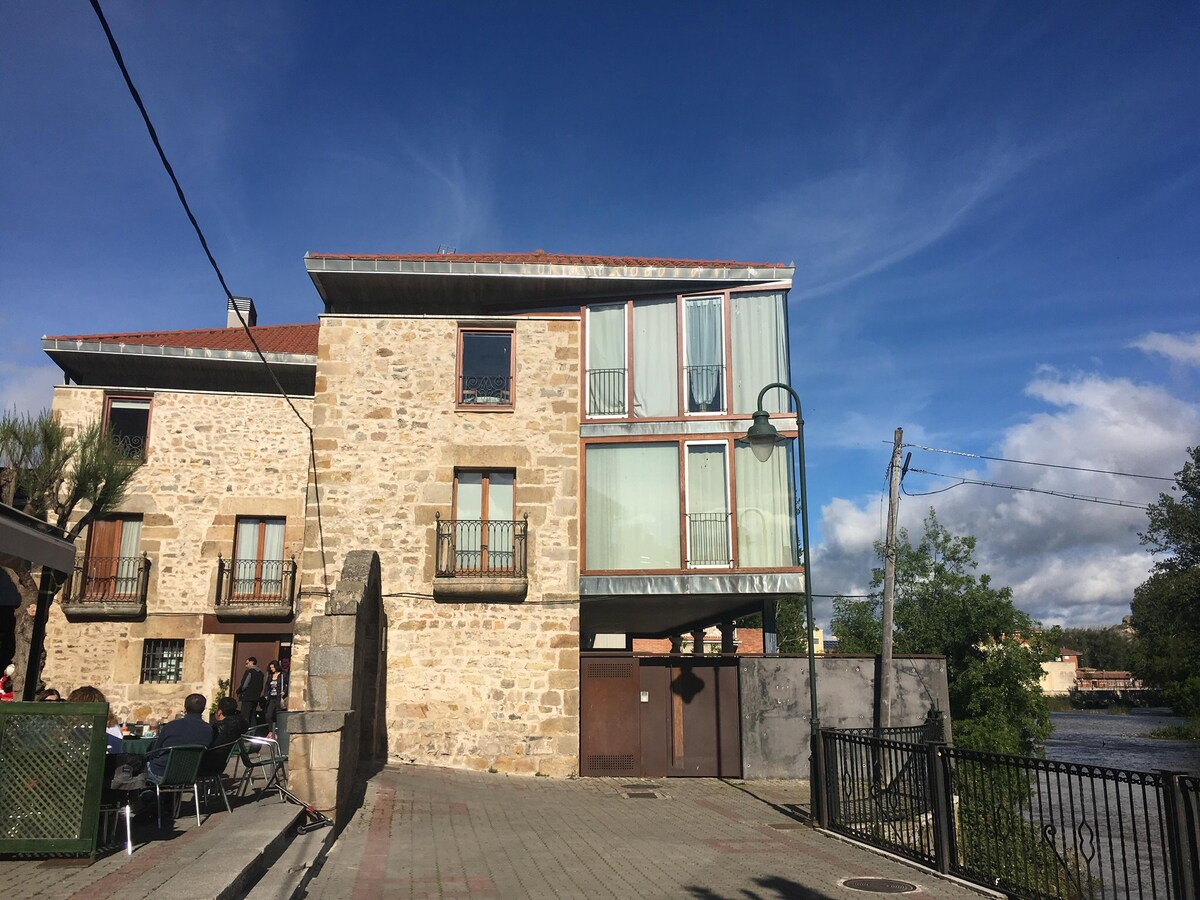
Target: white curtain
[
  {"x": 500, "y": 510},
  {"x": 655, "y": 358},
  {"x": 632, "y": 506},
  {"x": 254, "y": 574},
  {"x": 468, "y": 514},
  {"x": 707, "y": 505},
  {"x": 766, "y": 507},
  {"x": 606, "y": 360},
  {"x": 129, "y": 558},
  {"x": 758, "y": 323},
  {"x": 704, "y": 352},
  {"x": 272, "y": 571}
]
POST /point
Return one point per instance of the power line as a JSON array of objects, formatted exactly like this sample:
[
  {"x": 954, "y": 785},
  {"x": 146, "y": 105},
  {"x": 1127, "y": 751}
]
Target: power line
[
  {"x": 1025, "y": 462},
  {"x": 137, "y": 99},
  {"x": 1106, "y": 501}
]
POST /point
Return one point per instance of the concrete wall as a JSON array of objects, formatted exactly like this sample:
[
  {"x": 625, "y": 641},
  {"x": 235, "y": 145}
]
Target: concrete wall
[
  {"x": 776, "y": 704},
  {"x": 210, "y": 458},
  {"x": 474, "y": 683}
]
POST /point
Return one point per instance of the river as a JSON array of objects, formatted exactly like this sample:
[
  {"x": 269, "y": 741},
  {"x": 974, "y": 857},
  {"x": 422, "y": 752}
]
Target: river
[{"x": 1120, "y": 742}]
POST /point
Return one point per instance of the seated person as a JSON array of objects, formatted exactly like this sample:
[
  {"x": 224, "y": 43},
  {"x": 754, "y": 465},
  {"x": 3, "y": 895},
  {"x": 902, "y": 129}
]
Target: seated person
[
  {"x": 191, "y": 729},
  {"x": 50, "y": 695},
  {"x": 89, "y": 694},
  {"x": 229, "y": 724}
]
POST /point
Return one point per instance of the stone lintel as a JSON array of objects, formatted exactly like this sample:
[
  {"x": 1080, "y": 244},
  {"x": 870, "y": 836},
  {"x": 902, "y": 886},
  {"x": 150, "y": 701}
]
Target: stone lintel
[
  {"x": 480, "y": 588},
  {"x": 93, "y": 611}
]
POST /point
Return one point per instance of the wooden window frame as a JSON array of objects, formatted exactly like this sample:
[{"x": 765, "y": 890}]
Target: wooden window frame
[
  {"x": 257, "y": 593},
  {"x": 459, "y": 391},
  {"x": 148, "y": 399}
]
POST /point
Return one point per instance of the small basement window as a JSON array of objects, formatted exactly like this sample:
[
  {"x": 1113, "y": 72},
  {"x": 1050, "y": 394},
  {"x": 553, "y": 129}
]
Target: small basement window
[{"x": 162, "y": 661}]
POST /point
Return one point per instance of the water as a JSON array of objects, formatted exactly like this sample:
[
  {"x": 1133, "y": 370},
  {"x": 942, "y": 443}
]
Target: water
[{"x": 1120, "y": 741}]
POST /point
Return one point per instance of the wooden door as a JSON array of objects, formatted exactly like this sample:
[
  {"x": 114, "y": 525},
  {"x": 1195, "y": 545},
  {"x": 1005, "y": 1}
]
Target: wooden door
[{"x": 264, "y": 648}]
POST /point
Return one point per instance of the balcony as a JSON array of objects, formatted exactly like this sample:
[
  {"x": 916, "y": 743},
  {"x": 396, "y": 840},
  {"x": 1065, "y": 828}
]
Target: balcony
[
  {"x": 708, "y": 540},
  {"x": 705, "y": 389},
  {"x": 606, "y": 392},
  {"x": 255, "y": 588},
  {"x": 480, "y": 559},
  {"x": 107, "y": 587},
  {"x": 485, "y": 390}
]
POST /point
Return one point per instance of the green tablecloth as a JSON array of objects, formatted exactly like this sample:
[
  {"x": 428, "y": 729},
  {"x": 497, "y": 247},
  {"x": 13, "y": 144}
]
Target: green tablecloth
[{"x": 137, "y": 745}]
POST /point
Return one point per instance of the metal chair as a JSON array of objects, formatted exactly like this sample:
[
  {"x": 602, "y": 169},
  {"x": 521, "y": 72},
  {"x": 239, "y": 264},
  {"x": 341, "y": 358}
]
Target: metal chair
[
  {"x": 113, "y": 803},
  {"x": 261, "y": 753},
  {"x": 212, "y": 769},
  {"x": 183, "y": 765}
]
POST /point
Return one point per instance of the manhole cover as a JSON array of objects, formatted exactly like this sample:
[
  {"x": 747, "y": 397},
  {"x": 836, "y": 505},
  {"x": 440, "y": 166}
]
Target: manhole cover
[
  {"x": 879, "y": 885},
  {"x": 642, "y": 795}
]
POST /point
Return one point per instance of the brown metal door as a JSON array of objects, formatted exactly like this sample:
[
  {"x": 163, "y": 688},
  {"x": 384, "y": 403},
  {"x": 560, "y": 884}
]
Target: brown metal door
[
  {"x": 705, "y": 735},
  {"x": 610, "y": 736},
  {"x": 655, "y": 703},
  {"x": 262, "y": 648}
]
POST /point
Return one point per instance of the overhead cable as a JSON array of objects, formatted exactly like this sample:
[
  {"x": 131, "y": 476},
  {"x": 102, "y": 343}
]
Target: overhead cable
[
  {"x": 1106, "y": 501},
  {"x": 1025, "y": 462}
]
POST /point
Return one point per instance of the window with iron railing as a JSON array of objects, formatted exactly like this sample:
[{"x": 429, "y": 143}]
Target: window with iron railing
[
  {"x": 485, "y": 369},
  {"x": 162, "y": 661},
  {"x": 469, "y": 548},
  {"x": 708, "y": 539},
  {"x": 127, "y": 423},
  {"x": 113, "y": 568},
  {"x": 606, "y": 392}
]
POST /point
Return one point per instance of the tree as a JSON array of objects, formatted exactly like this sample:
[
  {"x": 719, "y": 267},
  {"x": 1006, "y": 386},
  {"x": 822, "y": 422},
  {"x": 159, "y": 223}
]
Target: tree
[
  {"x": 1100, "y": 648},
  {"x": 993, "y": 650},
  {"x": 1166, "y": 607},
  {"x": 790, "y": 621},
  {"x": 50, "y": 472}
]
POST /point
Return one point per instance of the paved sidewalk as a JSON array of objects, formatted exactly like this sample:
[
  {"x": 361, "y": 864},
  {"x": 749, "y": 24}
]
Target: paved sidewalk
[
  {"x": 180, "y": 862},
  {"x": 424, "y": 832}
]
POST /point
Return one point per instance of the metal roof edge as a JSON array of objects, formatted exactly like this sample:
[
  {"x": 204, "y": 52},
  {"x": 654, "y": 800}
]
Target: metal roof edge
[{"x": 55, "y": 345}]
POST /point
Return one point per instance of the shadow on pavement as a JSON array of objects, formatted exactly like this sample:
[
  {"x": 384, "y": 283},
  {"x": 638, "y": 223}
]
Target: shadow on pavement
[{"x": 772, "y": 887}]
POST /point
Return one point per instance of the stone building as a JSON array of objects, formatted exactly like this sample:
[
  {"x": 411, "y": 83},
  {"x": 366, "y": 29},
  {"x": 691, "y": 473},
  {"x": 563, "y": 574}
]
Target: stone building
[{"x": 543, "y": 451}]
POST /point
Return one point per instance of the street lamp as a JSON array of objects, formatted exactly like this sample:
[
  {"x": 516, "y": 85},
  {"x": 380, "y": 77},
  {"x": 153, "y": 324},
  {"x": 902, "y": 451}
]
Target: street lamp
[{"x": 762, "y": 438}]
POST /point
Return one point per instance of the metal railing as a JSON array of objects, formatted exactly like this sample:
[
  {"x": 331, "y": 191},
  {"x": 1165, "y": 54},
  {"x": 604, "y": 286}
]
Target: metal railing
[
  {"x": 485, "y": 390},
  {"x": 479, "y": 548},
  {"x": 606, "y": 392},
  {"x": 1032, "y": 828},
  {"x": 708, "y": 539},
  {"x": 705, "y": 388},
  {"x": 255, "y": 582},
  {"x": 109, "y": 579}
]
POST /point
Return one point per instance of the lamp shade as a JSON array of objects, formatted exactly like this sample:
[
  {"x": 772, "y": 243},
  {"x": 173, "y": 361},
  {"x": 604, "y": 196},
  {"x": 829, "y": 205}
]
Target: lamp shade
[{"x": 762, "y": 436}]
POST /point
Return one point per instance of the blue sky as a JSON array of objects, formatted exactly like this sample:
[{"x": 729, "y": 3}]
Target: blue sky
[{"x": 994, "y": 211}]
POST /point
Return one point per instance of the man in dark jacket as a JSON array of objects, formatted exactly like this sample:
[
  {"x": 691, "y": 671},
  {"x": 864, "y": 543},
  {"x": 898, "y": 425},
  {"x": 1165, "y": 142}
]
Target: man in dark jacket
[
  {"x": 229, "y": 724},
  {"x": 191, "y": 729},
  {"x": 250, "y": 691}
]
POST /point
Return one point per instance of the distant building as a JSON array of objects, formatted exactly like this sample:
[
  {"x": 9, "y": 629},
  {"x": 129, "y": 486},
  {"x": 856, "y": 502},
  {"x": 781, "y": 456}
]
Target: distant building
[{"x": 1058, "y": 675}]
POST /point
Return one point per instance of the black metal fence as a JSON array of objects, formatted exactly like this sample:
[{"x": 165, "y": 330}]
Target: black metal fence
[
  {"x": 708, "y": 539},
  {"x": 606, "y": 392},
  {"x": 705, "y": 388},
  {"x": 479, "y": 548},
  {"x": 109, "y": 579},
  {"x": 1033, "y": 828},
  {"x": 255, "y": 582}
]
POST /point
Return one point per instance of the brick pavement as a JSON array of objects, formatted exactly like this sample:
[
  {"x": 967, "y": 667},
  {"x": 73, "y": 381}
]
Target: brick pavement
[{"x": 425, "y": 832}]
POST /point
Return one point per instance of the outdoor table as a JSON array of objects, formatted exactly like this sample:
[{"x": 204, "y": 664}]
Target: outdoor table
[{"x": 139, "y": 746}]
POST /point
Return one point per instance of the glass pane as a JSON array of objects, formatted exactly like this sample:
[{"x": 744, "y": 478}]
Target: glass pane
[
  {"x": 655, "y": 358},
  {"x": 468, "y": 513},
  {"x": 500, "y": 497},
  {"x": 707, "y": 506},
  {"x": 705, "y": 352},
  {"x": 128, "y": 421},
  {"x": 606, "y": 360},
  {"x": 129, "y": 561},
  {"x": 469, "y": 500},
  {"x": 486, "y": 368},
  {"x": 760, "y": 352},
  {"x": 766, "y": 518},
  {"x": 633, "y": 506}
]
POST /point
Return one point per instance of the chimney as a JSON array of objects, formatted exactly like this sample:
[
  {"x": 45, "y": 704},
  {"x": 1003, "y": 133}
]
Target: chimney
[{"x": 246, "y": 305}]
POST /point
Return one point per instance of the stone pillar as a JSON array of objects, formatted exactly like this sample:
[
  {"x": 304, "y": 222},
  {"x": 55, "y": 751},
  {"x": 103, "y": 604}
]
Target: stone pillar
[
  {"x": 698, "y": 642},
  {"x": 676, "y": 643}
]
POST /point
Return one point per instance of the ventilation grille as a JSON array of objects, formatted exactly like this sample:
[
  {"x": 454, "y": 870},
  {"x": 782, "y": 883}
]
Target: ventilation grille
[
  {"x": 617, "y": 764},
  {"x": 610, "y": 670}
]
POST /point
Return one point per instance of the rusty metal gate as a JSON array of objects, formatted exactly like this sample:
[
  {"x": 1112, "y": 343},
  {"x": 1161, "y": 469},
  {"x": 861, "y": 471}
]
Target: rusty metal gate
[{"x": 656, "y": 716}]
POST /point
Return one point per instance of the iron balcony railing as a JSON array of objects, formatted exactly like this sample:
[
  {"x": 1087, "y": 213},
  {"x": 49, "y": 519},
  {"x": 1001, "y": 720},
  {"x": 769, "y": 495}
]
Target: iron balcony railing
[
  {"x": 1032, "y": 828},
  {"x": 255, "y": 582},
  {"x": 606, "y": 392},
  {"x": 705, "y": 388},
  {"x": 485, "y": 390},
  {"x": 109, "y": 579},
  {"x": 708, "y": 539},
  {"x": 478, "y": 548}
]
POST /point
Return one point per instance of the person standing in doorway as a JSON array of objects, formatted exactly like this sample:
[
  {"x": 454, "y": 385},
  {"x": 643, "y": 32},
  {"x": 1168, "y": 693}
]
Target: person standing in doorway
[
  {"x": 250, "y": 691},
  {"x": 276, "y": 693}
]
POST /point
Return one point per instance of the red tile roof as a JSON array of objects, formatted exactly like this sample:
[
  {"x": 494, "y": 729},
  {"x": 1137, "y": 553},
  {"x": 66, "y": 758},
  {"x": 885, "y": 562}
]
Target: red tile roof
[
  {"x": 299, "y": 339},
  {"x": 558, "y": 259}
]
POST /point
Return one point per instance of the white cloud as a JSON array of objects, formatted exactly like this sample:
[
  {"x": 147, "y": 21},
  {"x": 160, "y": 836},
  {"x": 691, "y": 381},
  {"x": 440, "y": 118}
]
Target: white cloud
[
  {"x": 27, "y": 389},
  {"x": 1180, "y": 348},
  {"x": 1068, "y": 561}
]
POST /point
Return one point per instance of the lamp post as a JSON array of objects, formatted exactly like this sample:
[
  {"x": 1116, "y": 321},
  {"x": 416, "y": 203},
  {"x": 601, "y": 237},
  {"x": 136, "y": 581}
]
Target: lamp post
[{"x": 762, "y": 438}]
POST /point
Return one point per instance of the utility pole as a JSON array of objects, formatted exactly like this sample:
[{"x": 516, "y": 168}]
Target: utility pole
[{"x": 889, "y": 585}]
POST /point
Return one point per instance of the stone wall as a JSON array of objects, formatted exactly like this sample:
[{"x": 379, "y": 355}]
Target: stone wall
[
  {"x": 472, "y": 683},
  {"x": 210, "y": 458}
]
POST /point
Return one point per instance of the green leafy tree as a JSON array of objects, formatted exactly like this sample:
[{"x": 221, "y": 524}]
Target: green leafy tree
[
  {"x": 790, "y": 621},
  {"x": 1100, "y": 648},
  {"x": 63, "y": 477},
  {"x": 993, "y": 650},
  {"x": 1166, "y": 607}
]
